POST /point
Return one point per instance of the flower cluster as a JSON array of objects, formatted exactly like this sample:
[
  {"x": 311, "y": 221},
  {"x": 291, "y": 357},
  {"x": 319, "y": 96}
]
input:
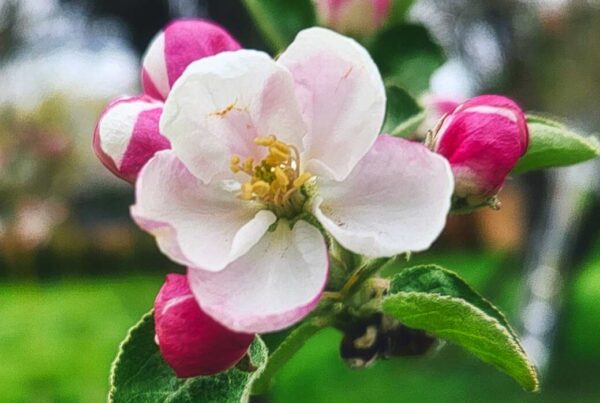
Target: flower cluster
[{"x": 249, "y": 170}]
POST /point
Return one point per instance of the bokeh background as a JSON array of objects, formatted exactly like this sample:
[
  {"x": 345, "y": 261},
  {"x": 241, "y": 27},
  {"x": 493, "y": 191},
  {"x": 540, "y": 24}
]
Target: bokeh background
[{"x": 75, "y": 273}]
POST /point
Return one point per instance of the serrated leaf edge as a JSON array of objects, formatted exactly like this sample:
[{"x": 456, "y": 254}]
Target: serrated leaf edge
[
  {"x": 470, "y": 288},
  {"x": 120, "y": 352},
  {"x": 257, "y": 373},
  {"x": 511, "y": 339}
]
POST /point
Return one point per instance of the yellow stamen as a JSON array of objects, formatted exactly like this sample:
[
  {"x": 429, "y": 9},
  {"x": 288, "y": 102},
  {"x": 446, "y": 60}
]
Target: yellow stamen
[
  {"x": 277, "y": 155},
  {"x": 234, "y": 164},
  {"x": 278, "y": 145},
  {"x": 246, "y": 193},
  {"x": 248, "y": 165},
  {"x": 281, "y": 177},
  {"x": 276, "y": 179},
  {"x": 265, "y": 140},
  {"x": 261, "y": 188},
  {"x": 275, "y": 186},
  {"x": 301, "y": 180}
]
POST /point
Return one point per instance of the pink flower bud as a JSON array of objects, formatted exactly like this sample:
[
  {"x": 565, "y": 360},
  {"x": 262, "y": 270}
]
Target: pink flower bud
[
  {"x": 173, "y": 49},
  {"x": 190, "y": 341},
  {"x": 482, "y": 139},
  {"x": 355, "y": 17},
  {"x": 127, "y": 135}
]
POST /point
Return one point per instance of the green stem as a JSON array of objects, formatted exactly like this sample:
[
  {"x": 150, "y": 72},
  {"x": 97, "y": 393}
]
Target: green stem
[
  {"x": 286, "y": 350},
  {"x": 362, "y": 274},
  {"x": 322, "y": 318}
]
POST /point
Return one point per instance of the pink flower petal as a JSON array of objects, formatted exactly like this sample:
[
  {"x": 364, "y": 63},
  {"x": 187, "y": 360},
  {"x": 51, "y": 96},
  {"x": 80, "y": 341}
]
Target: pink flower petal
[
  {"x": 195, "y": 224},
  {"x": 172, "y": 50},
  {"x": 190, "y": 341},
  {"x": 276, "y": 284},
  {"x": 394, "y": 201},
  {"x": 342, "y": 98}
]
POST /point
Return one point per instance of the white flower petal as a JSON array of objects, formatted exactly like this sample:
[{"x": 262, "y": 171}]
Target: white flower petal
[
  {"x": 277, "y": 283},
  {"x": 221, "y": 103},
  {"x": 342, "y": 97},
  {"x": 396, "y": 200},
  {"x": 195, "y": 224}
]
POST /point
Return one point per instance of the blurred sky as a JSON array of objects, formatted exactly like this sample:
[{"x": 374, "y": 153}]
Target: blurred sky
[{"x": 61, "y": 51}]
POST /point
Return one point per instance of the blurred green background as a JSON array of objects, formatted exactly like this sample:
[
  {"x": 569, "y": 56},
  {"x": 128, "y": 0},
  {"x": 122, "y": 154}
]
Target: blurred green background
[
  {"x": 58, "y": 338},
  {"x": 76, "y": 274}
]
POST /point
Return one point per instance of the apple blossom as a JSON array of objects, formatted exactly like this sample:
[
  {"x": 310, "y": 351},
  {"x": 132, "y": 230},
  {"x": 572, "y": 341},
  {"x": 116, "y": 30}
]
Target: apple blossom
[
  {"x": 355, "y": 17},
  {"x": 190, "y": 341},
  {"x": 127, "y": 133},
  {"x": 482, "y": 139},
  {"x": 262, "y": 150}
]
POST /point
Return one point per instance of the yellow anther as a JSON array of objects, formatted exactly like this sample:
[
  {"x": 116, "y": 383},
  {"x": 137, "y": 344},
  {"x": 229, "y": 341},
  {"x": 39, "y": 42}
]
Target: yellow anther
[
  {"x": 234, "y": 164},
  {"x": 275, "y": 186},
  {"x": 246, "y": 193},
  {"x": 274, "y": 181},
  {"x": 301, "y": 180},
  {"x": 265, "y": 140},
  {"x": 248, "y": 165},
  {"x": 277, "y": 156},
  {"x": 261, "y": 188},
  {"x": 278, "y": 145},
  {"x": 281, "y": 177}
]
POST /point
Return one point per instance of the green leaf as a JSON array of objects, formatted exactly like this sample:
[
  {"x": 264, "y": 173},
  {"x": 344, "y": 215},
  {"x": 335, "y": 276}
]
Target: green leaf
[
  {"x": 544, "y": 119},
  {"x": 407, "y": 56},
  {"x": 139, "y": 374},
  {"x": 438, "y": 301},
  {"x": 551, "y": 144},
  {"x": 280, "y": 20},
  {"x": 435, "y": 279},
  {"x": 404, "y": 115},
  {"x": 398, "y": 11}
]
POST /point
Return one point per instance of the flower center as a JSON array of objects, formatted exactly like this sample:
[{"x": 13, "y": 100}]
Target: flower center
[{"x": 276, "y": 180}]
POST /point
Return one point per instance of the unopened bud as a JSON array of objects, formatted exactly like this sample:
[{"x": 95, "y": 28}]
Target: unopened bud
[
  {"x": 173, "y": 49},
  {"x": 482, "y": 139},
  {"x": 127, "y": 135},
  {"x": 190, "y": 341},
  {"x": 353, "y": 17}
]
